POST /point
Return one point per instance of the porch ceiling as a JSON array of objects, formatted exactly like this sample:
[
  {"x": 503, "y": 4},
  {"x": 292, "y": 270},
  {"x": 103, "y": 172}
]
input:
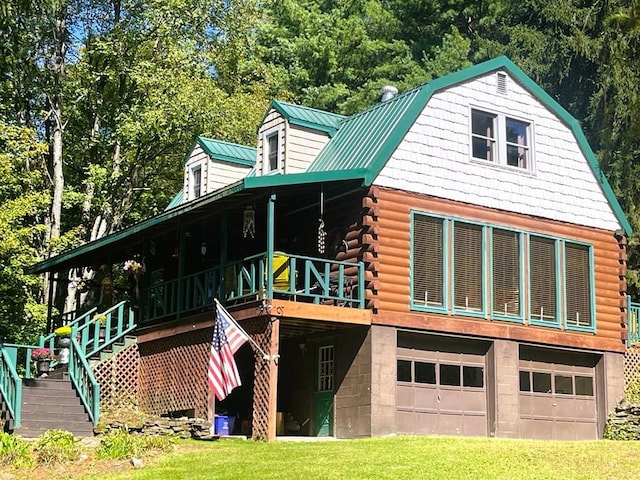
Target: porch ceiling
[{"x": 123, "y": 244}]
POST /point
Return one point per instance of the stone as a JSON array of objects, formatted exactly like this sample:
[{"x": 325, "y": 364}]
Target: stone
[{"x": 137, "y": 463}]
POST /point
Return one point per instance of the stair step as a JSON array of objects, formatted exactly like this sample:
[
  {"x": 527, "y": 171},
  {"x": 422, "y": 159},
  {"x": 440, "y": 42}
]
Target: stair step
[
  {"x": 47, "y": 383},
  {"x": 53, "y": 407}
]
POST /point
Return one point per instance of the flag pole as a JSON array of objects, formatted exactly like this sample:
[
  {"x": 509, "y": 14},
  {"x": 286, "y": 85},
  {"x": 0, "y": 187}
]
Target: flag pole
[{"x": 265, "y": 356}]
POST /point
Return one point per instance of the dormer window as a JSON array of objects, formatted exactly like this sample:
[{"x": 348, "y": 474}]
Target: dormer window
[
  {"x": 500, "y": 139},
  {"x": 195, "y": 181},
  {"x": 272, "y": 154}
]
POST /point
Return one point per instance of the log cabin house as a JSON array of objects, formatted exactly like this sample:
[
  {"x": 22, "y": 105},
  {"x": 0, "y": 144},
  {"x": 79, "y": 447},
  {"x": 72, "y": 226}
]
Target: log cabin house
[{"x": 449, "y": 261}]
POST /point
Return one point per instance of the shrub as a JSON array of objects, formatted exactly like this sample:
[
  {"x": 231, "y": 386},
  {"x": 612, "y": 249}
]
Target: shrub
[
  {"x": 14, "y": 452},
  {"x": 56, "y": 446},
  {"x": 619, "y": 431},
  {"x": 120, "y": 444}
]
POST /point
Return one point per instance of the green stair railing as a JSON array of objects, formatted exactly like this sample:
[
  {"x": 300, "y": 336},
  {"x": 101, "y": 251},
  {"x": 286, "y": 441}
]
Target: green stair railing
[
  {"x": 10, "y": 385},
  {"x": 104, "y": 329},
  {"x": 89, "y": 336},
  {"x": 633, "y": 322},
  {"x": 81, "y": 376}
]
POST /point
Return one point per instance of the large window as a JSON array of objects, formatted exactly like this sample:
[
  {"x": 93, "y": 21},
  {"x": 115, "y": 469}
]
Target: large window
[
  {"x": 500, "y": 139},
  {"x": 578, "y": 286},
  {"x": 543, "y": 280},
  {"x": 470, "y": 269},
  {"x": 428, "y": 261},
  {"x": 506, "y": 273}
]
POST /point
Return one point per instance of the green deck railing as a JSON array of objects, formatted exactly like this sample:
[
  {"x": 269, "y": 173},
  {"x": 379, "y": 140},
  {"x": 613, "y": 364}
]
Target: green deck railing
[
  {"x": 633, "y": 322},
  {"x": 297, "y": 277},
  {"x": 10, "y": 385}
]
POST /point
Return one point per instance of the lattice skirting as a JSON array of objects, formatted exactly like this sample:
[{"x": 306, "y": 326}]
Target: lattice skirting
[
  {"x": 173, "y": 373},
  {"x": 631, "y": 363},
  {"x": 118, "y": 377}
]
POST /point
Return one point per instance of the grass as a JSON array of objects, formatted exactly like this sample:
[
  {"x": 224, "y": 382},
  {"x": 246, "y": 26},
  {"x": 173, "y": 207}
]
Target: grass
[{"x": 392, "y": 458}]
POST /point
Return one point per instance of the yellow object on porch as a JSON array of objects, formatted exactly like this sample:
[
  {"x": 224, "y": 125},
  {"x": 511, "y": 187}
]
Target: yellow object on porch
[{"x": 281, "y": 271}]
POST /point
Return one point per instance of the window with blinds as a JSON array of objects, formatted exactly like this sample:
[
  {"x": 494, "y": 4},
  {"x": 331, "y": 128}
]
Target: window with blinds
[
  {"x": 542, "y": 279},
  {"x": 578, "y": 285},
  {"x": 428, "y": 261},
  {"x": 506, "y": 273},
  {"x": 467, "y": 267}
]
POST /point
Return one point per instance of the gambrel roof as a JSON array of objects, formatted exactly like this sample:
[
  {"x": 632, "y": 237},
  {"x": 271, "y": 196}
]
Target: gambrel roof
[{"x": 359, "y": 148}]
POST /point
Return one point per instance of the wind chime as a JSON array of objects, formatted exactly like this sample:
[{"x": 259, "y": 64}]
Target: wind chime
[
  {"x": 322, "y": 235},
  {"x": 249, "y": 222}
]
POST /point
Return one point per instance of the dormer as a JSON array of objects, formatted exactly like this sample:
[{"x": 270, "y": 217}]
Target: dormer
[
  {"x": 213, "y": 164},
  {"x": 290, "y": 137}
]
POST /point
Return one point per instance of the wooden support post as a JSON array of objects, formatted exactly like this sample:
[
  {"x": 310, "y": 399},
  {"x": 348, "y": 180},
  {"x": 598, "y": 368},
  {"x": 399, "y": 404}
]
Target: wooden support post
[{"x": 274, "y": 360}]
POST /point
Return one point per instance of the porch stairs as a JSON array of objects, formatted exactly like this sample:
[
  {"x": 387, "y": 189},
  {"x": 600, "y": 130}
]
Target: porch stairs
[
  {"x": 50, "y": 403},
  {"x": 69, "y": 397}
]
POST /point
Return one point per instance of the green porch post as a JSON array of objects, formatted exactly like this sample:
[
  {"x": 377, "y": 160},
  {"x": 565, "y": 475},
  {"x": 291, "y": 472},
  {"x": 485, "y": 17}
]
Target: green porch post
[
  {"x": 224, "y": 242},
  {"x": 270, "y": 243},
  {"x": 181, "y": 254}
]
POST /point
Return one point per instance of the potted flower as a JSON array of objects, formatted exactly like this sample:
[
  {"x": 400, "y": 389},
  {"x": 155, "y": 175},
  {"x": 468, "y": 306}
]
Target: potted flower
[
  {"x": 63, "y": 334},
  {"x": 43, "y": 357}
]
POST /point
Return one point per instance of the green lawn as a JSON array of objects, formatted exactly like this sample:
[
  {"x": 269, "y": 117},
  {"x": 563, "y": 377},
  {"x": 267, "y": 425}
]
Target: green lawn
[{"x": 394, "y": 458}]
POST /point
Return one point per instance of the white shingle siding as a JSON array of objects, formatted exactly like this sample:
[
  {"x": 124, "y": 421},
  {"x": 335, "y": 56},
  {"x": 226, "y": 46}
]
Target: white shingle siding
[
  {"x": 303, "y": 146},
  {"x": 434, "y": 159},
  {"x": 272, "y": 121},
  {"x": 197, "y": 156}
]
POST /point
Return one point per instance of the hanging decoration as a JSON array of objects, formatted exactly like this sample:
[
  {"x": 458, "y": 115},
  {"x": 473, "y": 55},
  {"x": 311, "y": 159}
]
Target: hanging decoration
[
  {"x": 322, "y": 235},
  {"x": 249, "y": 222},
  {"x": 203, "y": 248}
]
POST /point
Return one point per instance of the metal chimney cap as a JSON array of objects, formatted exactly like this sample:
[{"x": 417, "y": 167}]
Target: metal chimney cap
[{"x": 388, "y": 92}]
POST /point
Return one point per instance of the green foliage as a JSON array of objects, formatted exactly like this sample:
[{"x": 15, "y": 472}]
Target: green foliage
[
  {"x": 56, "y": 446},
  {"x": 632, "y": 390},
  {"x": 15, "y": 452},
  {"x": 120, "y": 444},
  {"x": 620, "y": 431}
]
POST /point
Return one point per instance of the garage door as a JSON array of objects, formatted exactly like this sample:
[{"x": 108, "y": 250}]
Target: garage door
[
  {"x": 557, "y": 395},
  {"x": 441, "y": 385}
]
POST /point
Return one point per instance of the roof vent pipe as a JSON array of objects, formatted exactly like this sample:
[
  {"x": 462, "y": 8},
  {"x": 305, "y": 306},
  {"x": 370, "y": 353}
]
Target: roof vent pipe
[{"x": 388, "y": 92}]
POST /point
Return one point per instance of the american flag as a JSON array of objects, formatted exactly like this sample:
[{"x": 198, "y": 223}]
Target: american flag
[{"x": 228, "y": 337}]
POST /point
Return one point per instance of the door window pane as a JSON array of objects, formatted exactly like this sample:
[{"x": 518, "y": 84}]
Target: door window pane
[
  {"x": 472, "y": 376},
  {"x": 425, "y": 373},
  {"x": 541, "y": 382},
  {"x": 564, "y": 385},
  {"x": 450, "y": 375},
  {"x": 584, "y": 385},
  {"x": 404, "y": 370},
  {"x": 525, "y": 381}
]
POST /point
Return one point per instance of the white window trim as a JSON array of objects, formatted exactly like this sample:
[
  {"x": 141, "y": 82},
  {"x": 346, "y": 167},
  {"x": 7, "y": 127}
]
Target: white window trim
[
  {"x": 501, "y": 140},
  {"x": 192, "y": 169},
  {"x": 266, "y": 170}
]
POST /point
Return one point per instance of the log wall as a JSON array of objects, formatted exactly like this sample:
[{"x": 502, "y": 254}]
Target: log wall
[{"x": 389, "y": 212}]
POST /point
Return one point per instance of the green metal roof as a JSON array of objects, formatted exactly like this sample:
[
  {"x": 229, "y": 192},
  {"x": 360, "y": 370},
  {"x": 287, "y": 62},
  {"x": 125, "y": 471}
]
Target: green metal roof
[
  {"x": 228, "y": 152},
  {"x": 177, "y": 200},
  {"x": 367, "y": 140},
  {"x": 308, "y": 117}
]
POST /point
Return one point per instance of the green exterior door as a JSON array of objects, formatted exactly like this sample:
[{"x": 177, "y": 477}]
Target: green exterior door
[{"x": 323, "y": 396}]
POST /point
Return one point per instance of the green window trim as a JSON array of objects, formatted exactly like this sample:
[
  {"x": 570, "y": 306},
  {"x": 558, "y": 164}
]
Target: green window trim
[
  {"x": 482, "y": 310},
  {"x": 556, "y": 322},
  {"x": 555, "y": 267},
  {"x": 421, "y": 304},
  {"x": 495, "y": 314},
  {"x": 591, "y": 300}
]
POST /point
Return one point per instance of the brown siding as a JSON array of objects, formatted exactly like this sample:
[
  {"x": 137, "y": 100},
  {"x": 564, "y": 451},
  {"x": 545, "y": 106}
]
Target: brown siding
[{"x": 393, "y": 257}]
